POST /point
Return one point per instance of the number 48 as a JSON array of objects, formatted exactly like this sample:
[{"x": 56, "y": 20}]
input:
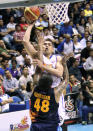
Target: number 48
[{"x": 44, "y": 107}]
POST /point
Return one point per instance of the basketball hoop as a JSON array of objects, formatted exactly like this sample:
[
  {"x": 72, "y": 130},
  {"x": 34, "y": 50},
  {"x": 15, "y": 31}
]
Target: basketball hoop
[{"x": 58, "y": 12}]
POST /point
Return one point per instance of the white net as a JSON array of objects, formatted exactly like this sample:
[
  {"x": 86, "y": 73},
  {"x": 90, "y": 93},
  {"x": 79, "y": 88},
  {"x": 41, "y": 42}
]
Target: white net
[{"x": 57, "y": 12}]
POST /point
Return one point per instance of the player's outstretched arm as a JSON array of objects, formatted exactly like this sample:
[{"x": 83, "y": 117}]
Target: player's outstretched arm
[
  {"x": 26, "y": 42},
  {"x": 40, "y": 38},
  {"x": 57, "y": 72},
  {"x": 58, "y": 90}
]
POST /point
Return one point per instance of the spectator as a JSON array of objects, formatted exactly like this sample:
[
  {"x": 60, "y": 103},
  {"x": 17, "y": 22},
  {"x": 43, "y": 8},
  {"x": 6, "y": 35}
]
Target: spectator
[
  {"x": 7, "y": 13},
  {"x": 31, "y": 68},
  {"x": 24, "y": 79},
  {"x": 16, "y": 72},
  {"x": 87, "y": 102},
  {"x": 90, "y": 25},
  {"x": 18, "y": 37},
  {"x": 4, "y": 52},
  {"x": 77, "y": 46},
  {"x": 75, "y": 9},
  {"x": 73, "y": 86},
  {"x": 45, "y": 21},
  {"x": 4, "y": 35},
  {"x": 19, "y": 12},
  {"x": 87, "y": 10},
  {"x": 55, "y": 36},
  {"x": 88, "y": 65},
  {"x": 85, "y": 52},
  {"x": 81, "y": 27},
  {"x": 60, "y": 39},
  {"x": 75, "y": 31},
  {"x": 81, "y": 16},
  {"x": 11, "y": 85},
  {"x": 20, "y": 58},
  {"x": 11, "y": 25},
  {"x": 5, "y": 100},
  {"x": 55, "y": 32},
  {"x": 67, "y": 46},
  {"x": 83, "y": 40},
  {"x": 90, "y": 35},
  {"x": 74, "y": 70},
  {"x": 23, "y": 24},
  {"x": 91, "y": 4},
  {"x": 87, "y": 30},
  {"x": 65, "y": 29},
  {"x": 5, "y": 65},
  {"x": 13, "y": 58}
]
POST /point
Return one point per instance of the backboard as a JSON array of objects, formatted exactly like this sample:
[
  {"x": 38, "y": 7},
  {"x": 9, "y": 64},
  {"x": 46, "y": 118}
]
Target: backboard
[{"x": 21, "y": 3}]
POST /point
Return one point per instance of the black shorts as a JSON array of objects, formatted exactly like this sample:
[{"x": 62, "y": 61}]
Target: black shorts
[{"x": 43, "y": 127}]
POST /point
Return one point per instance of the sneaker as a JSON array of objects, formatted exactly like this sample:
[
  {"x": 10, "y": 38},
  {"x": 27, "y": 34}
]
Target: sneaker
[{"x": 84, "y": 122}]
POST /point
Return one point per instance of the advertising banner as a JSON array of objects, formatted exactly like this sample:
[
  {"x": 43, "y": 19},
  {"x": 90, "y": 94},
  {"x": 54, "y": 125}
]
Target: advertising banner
[
  {"x": 71, "y": 107},
  {"x": 15, "y": 121}
]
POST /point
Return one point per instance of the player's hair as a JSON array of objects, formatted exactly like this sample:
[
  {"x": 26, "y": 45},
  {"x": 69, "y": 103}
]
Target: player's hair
[
  {"x": 49, "y": 40},
  {"x": 45, "y": 82}
]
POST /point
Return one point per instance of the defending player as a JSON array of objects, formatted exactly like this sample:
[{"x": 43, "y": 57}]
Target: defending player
[{"x": 45, "y": 103}]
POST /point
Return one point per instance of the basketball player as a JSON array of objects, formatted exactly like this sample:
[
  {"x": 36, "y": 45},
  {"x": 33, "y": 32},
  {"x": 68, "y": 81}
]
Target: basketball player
[
  {"x": 51, "y": 63},
  {"x": 45, "y": 103},
  {"x": 48, "y": 62}
]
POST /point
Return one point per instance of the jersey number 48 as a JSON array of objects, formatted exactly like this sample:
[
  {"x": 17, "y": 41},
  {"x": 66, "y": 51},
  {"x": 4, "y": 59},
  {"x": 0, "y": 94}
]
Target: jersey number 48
[{"x": 44, "y": 107}]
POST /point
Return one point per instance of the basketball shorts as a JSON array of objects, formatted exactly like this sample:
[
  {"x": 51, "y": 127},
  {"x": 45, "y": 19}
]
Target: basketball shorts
[{"x": 43, "y": 127}]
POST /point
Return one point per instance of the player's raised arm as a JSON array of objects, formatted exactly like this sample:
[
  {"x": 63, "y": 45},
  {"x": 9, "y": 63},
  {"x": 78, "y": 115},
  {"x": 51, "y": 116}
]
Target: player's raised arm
[
  {"x": 40, "y": 38},
  {"x": 58, "y": 90},
  {"x": 26, "y": 42}
]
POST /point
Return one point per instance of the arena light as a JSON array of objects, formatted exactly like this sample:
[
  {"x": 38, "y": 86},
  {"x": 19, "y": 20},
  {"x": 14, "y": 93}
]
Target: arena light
[{"x": 22, "y": 3}]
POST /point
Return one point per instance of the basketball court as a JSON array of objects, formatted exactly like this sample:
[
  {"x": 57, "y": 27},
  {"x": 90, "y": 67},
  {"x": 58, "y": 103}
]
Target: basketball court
[{"x": 79, "y": 127}]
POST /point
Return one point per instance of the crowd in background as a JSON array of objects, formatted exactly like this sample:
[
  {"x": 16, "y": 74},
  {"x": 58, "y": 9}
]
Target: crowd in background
[{"x": 74, "y": 38}]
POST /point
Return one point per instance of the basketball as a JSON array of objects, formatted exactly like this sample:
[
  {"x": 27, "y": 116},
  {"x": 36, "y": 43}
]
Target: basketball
[{"x": 31, "y": 13}]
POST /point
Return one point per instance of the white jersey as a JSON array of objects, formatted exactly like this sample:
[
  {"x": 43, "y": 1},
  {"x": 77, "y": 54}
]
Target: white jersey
[
  {"x": 51, "y": 62},
  {"x": 61, "y": 110}
]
